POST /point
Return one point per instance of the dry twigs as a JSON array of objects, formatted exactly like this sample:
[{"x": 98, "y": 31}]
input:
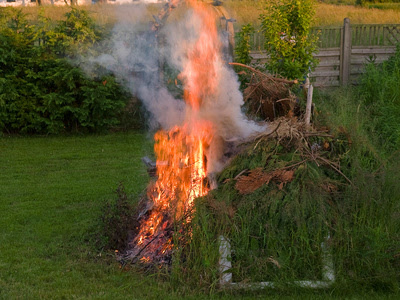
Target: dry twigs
[
  {"x": 257, "y": 177},
  {"x": 267, "y": 96},
  {"x": 292, "y": 134},
  {"x": 156, "y": 249}
]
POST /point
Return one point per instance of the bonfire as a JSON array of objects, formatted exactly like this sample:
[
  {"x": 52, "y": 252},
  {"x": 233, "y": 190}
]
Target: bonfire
[{"x": 188, "y": 154}]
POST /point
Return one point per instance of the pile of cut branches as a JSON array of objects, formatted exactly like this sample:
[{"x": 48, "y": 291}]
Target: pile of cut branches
[
  {"x": 268, "y": 97},
  {"x": 288, "y": 136},
  {"x": 275, "y": 199}
]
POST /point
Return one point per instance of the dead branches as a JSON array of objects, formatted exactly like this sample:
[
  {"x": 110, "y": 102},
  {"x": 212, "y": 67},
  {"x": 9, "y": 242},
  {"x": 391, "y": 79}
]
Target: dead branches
[
  {"x": 247, "y": 184},
  {"x": 162, "y": 16},
  {"x": 294, "y": 136},
  {"x": 268, "y": 97}
]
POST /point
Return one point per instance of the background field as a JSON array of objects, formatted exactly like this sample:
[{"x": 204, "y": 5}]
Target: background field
[{"x": 246, "y": 11}]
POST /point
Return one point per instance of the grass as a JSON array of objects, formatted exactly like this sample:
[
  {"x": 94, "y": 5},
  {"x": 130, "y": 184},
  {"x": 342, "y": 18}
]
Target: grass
[
  {"x": 367, "y": 227},
  {"x": 52, "y": 191},
  {"x": 246, "y": 11},
  {"x": 395, "y": 6},
  {"x": 103, "y": 13},
  {"x": 333, "y": 15},
  {"x": 380, "y": 88}
]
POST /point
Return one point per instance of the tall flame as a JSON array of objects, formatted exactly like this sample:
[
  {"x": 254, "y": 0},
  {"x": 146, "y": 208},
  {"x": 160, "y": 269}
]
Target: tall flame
[{"x": 181, "y": 151}]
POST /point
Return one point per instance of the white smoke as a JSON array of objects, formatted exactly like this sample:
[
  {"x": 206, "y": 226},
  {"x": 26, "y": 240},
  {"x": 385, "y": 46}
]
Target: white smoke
[
  {"x": 134, "y": 57},
  {"x": 132, "y": 54},
  {"x": 224, "y": 107}
]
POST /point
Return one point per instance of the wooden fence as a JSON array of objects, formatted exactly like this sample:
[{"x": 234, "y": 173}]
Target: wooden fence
[{"x": 344, "y": 51}]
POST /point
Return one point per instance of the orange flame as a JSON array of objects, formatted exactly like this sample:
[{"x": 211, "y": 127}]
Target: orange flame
[{"x": 181, "y": 151}]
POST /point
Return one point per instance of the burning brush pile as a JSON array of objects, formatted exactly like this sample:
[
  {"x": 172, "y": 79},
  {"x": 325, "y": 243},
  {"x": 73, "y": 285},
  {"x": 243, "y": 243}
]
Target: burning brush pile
[
  {"x": 284, "y": 179},
  {"x": 193, "y": 146},
  {"x": 213, "y": 160}
]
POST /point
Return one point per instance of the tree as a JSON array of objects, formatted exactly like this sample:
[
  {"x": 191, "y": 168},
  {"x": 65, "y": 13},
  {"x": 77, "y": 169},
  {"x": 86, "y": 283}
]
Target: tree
[{"x": 286, "y": 26}]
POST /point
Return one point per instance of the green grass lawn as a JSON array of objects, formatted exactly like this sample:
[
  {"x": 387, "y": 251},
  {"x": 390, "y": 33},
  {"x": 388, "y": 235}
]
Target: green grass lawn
[
  {"x": 52, "y": 190},
  {"x": 51, "y": 194}
]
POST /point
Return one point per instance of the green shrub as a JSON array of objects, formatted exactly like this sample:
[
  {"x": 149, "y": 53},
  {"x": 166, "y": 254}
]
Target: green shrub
[
  {"x": 243, "y": 46},
  {"x": 41, "y": 91},
  {"x": 286, "y": 26},
  {"x": 116, "y": 222},
  {"x": 242, "y": 52}
]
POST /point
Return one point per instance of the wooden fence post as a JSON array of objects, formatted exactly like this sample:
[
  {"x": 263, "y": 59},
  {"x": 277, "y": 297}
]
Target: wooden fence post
[
  {"x": 307, "y": 116},
  {"x": 345, "y": 53}
]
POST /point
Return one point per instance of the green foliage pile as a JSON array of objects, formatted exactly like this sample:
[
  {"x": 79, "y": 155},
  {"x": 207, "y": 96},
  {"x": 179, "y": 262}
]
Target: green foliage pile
[
  {"x": 276, "y": 232},
  {"x": 41, "y": 90}
]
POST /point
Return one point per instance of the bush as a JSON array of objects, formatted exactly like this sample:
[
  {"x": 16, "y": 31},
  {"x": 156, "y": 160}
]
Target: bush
[
  {"x": 243, "y": 47},
  {"x": 286, "y": 27},
  {"x": 41, "y": 91},
  {"x": 116, "y": 222}
]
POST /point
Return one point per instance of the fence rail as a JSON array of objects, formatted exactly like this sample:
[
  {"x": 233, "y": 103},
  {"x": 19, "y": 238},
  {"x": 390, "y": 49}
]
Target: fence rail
[
  {"x": 362, "y": 35},
  {"x": 344, "y": 50},
  {"x": 329, "y": 37}
]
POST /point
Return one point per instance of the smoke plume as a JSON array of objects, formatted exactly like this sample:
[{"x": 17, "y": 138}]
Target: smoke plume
[{"x": 134, "y": 56}]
